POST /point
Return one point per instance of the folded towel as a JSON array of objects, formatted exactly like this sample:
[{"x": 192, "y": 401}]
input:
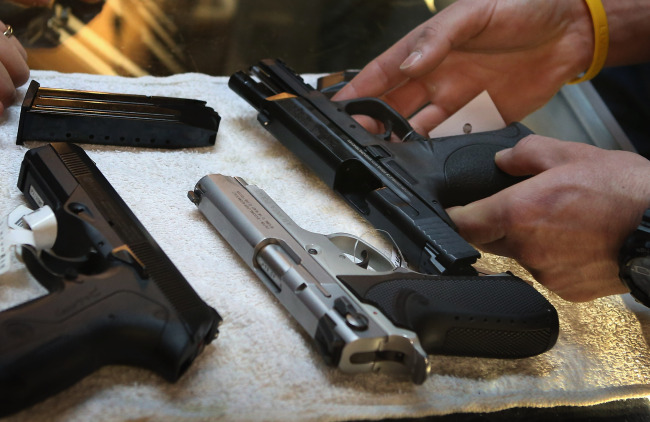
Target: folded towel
[{"x": 262, "y": 366}]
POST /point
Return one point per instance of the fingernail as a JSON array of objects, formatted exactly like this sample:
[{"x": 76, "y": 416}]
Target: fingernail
[
  {"x": 413, "y": 58},
  {"x": 500, "y": 153}
]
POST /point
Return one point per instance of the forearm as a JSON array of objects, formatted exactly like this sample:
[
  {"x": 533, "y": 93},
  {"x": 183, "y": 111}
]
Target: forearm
[{"x": 629, "y": 31}]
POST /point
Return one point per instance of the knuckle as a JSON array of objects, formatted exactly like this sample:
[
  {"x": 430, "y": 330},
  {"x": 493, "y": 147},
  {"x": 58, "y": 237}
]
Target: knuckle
[
  {"x": 380, "y": 72},
  {"x": 7, "y": 93},
  {"x": 534, "y": 258},
  {"x": 431, "y": 29},
  {"x": 430, "y": 32},
  {"x": 527, "y": 144},
  {"x": 522, "y": 224},
  {"x": 21, "y": 75}
]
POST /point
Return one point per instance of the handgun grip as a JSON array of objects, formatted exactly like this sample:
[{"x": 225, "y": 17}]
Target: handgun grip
[
  {"x": 491, "y": 316},
  {"x": 51, "y": 342},
  {"x": 467, "y": 163},
  {"x": 454, "y": 170}
]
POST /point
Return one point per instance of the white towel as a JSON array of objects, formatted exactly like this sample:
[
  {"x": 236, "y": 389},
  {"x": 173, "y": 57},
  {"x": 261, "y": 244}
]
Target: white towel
[{"x": 262, "y": 366}]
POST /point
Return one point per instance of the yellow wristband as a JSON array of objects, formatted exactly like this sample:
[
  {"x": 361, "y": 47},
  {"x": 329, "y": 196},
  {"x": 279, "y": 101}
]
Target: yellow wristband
[{"x": 601, "y": 40}]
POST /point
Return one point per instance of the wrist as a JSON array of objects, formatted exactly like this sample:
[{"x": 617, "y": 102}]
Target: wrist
[
  {"x": 634, "y": 261},
  {"x": 598, "y": 34},
  {"x": 629, "y": 31},
  {"x": 634, "y": 254}
]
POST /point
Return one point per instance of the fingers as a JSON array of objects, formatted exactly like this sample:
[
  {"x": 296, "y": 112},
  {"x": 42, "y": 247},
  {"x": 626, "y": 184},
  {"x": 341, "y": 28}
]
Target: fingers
[
  {"x": 485, "y": 221},
  {"x": 409, "y": 75},
  {"x": 420, "y": 51},
  {"x": 427, "y": 118},
  {"x": 482, "y": 222},
  {"x": 14, "y": 70},
  {"x": 428, "y": 45},
  {"x": 377, "y": 77},
  {"x": 488, "y": 220},
  {"x": 11, "y": 53},
  {"x": 494, "y": 225}
]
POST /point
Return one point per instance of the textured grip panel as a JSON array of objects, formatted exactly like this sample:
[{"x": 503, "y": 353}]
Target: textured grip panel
[
  {"x": 495, "y": 316},
  {"x": 496, "y": 343},
  {"x": 470, "y": 174},
  {"x": 454, "y": 170}
]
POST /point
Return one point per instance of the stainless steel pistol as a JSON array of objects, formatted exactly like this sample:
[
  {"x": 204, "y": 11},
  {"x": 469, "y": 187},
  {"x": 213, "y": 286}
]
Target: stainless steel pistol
[{"x": 363, "y": 313}]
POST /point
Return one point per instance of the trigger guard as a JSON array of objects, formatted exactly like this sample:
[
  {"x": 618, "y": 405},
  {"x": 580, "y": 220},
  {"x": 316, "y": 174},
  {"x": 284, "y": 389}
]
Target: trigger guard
[
  {"x": 44, "y": 275},
  {"x": 59, "y": 266},
  {"x": 350, "y": 245},
  {"x": 379, "y": 110}
]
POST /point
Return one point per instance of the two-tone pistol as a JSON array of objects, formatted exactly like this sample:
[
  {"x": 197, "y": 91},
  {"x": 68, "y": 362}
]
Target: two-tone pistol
[{"x": 363, "y": 313}]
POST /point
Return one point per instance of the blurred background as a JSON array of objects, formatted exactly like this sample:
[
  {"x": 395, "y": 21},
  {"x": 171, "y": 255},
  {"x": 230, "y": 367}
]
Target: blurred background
[{"x": 216, "y": 37}]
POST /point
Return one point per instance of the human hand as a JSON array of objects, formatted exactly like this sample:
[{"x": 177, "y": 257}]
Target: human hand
[
  {"x": 568, "y": 221},
  {"x": 521, "y": 51},
  {"x": 13, "y": 67}
]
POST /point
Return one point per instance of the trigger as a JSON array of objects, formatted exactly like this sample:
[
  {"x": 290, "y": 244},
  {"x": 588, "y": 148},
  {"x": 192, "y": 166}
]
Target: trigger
[
  {"x": 370, "y": 256},
  {"x": 365, "y": 260},
  {"x": 389, "y": 130},
  {"x": 126, "y": 255}
]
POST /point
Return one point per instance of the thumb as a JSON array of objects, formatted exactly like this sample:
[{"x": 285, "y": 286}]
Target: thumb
[
  {"x": 535, "y": 154},
  {"x": 480, "y": 222}
]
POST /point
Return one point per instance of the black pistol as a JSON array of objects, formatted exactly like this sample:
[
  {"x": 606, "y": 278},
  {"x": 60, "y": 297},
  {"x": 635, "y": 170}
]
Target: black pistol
[
  {"x": 114, "y": 295},
  {"x": 400, "y": 187}
]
